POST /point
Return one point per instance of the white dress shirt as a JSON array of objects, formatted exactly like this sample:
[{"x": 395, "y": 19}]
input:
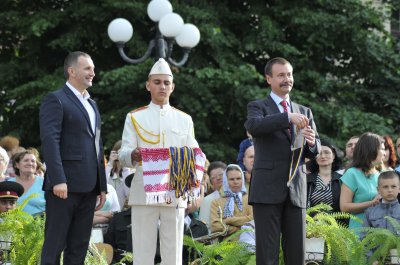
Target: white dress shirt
[{"x": 84, "y": 99}]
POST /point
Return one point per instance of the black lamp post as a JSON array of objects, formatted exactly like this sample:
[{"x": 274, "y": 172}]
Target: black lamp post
[{"x": 170, "y": 29}]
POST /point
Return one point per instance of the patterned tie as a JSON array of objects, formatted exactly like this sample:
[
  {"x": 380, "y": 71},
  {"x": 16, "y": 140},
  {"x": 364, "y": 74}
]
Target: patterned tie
[
  {"x": 285, "y": 109},
  {"x": 284, "y": 105}
]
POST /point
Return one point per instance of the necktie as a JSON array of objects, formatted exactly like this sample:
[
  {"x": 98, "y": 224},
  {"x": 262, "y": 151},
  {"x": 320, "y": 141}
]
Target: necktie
[
  {"x": 284, "y": 105},
  {"x": 285, "y": 109}
]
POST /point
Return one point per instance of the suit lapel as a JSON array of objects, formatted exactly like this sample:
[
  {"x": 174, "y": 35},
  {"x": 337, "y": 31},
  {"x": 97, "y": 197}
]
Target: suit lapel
[
  {"x": 271, "y": 106},
  {"x": 97, "y": 125},
  {"x": 273, "y": 109},
  {"x": 77, "y": 103},
  {"x": 295, "y": 109},
  {"x": 94, "y": 106}
]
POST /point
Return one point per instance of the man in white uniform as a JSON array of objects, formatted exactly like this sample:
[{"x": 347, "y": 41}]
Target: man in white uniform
[{"x": 157, "y": 125}]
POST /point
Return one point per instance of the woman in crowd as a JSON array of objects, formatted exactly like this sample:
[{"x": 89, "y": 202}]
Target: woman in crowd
[
  {"x": 233, "y": 203},
  {"x": 360, "y": 181},
  {"x": 116, "y": 175},
  {"x": 4, "y": 159},
  {"x": 397, "y": 147},
  {"x": 40, "y": 169},
  {"x": 323, "y": 185},
  {"x": 389, "y": 160},
  {"x": 11, "y": 145},
  {"x": 215, "y": 171},
  {"x": 25, "y": 166}
]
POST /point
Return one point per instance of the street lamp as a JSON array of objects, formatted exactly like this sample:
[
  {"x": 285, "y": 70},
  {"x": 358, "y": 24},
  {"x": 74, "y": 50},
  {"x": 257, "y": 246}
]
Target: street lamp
[{"x": 170, "y": 28}]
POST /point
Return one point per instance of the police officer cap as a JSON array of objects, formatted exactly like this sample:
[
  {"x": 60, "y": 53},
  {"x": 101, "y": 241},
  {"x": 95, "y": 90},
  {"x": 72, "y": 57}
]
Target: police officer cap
[
  {"x": 10, "y": 190},
  {"x": 161, "y": 67}
]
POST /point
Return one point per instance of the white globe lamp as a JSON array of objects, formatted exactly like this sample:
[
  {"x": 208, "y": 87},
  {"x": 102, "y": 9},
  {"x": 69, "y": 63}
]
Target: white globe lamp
[
  {"x": 120, "y": 30},
  {"x": 158, "y": 8},
  {"x": 170, "y": 25},
  {"x": 189, "y": 36}
]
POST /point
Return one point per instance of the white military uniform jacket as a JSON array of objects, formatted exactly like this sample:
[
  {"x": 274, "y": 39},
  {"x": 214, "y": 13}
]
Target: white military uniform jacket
[{"x": 153, "y": 127}]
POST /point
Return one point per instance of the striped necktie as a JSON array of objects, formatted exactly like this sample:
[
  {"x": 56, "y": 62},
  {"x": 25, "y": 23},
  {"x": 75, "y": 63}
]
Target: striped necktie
[
  {"x": 285, "y": 109},
  {"x": 285, "y": 106}
]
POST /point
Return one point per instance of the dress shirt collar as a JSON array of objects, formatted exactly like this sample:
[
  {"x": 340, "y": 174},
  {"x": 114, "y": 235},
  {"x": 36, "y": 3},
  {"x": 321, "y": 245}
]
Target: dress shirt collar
[
  {"x": 84, "y": 96},
  {"x": 158, "y": 107},
  {"x": 278, "y": 100}
]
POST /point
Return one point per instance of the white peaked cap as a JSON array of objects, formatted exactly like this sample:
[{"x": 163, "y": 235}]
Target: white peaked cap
[{"x": 161, "y": 67}]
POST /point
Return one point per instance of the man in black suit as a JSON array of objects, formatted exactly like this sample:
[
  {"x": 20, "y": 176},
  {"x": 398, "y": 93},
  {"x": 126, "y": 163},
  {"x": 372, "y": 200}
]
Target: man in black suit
[
  {"x": 283, "y": 134},
  {"x": 73, "y": 153}
]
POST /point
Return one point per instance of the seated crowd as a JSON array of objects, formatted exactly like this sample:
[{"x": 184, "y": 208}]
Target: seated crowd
[{"x": 362, "y": 187}]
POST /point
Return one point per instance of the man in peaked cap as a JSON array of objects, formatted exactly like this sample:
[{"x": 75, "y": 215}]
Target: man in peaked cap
[
  {"x": 157, "y": 125},
  {"x": 9, "y": 193}
]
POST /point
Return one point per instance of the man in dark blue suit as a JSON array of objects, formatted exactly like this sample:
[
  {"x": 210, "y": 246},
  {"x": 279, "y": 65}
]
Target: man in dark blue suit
[
  {"x": 73, "y": 153},
  {"x": 284, "y": 133}
]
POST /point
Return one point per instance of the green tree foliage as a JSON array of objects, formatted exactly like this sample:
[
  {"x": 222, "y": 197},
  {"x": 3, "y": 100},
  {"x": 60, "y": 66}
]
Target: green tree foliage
[{"x": 346, "y": 66}]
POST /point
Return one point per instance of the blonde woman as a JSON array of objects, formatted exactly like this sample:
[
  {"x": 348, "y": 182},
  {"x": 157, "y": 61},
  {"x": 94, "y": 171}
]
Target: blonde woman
[{"x": 25, "y": 165}]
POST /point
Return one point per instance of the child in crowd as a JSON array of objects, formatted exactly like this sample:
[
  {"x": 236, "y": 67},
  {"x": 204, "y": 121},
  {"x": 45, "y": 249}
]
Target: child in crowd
[{"x": 388, "y": 188}]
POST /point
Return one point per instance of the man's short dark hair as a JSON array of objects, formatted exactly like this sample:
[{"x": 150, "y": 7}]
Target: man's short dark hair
[
  {"x": 270, "y": 63},
  {"x": 72, "y": 59},
  {"x": 354, "y": 137}
]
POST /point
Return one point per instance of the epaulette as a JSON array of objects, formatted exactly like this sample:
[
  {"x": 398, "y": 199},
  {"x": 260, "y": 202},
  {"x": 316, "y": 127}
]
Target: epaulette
[
  {"x": 139, "y": 109},
  {"x": 180, "y": 111}
]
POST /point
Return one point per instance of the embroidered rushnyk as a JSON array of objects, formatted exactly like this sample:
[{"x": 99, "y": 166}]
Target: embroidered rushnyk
[{"x": 171, "y": 173}]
